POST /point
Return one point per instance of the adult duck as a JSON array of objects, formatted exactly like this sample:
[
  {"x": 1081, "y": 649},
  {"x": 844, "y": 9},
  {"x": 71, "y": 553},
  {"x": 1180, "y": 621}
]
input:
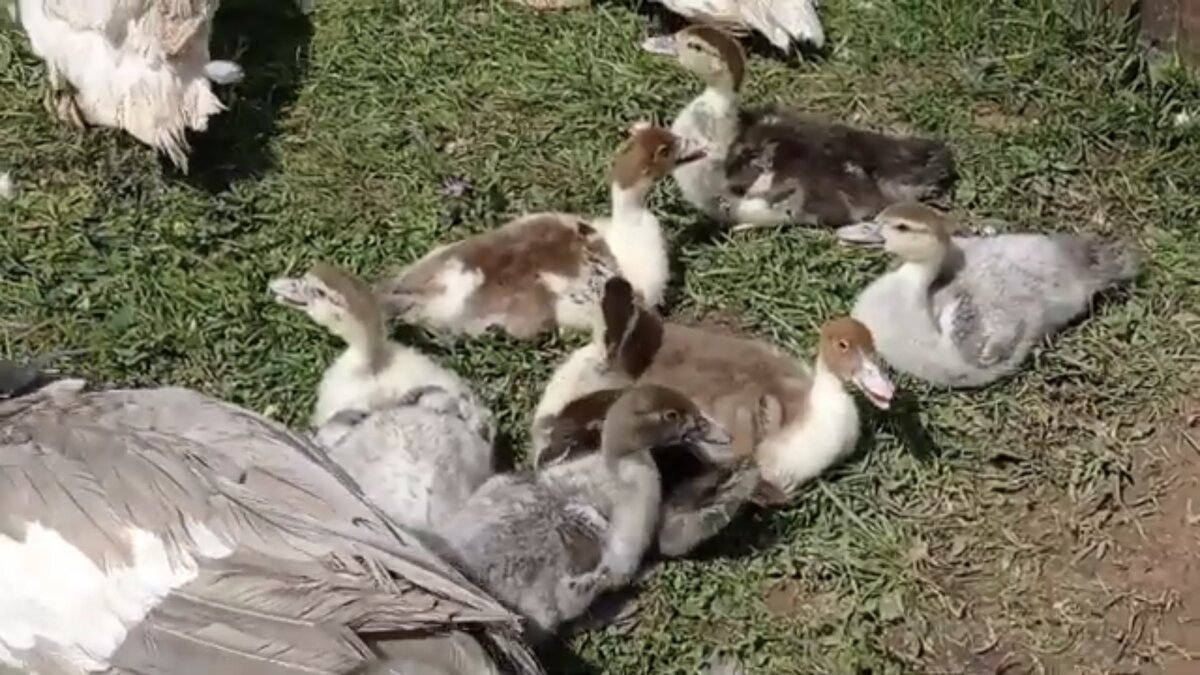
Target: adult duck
[{"x": 162, "y": 531}]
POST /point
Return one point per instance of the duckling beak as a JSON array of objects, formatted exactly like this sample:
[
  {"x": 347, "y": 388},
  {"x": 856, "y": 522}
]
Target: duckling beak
[
  {"x": 290, "y": 292},
  {"x": 663, "y": 45},
  {"x": 871, "y": 380},
  {"x": 868, "y": 233},
  {"x": 712, "y": 440}
]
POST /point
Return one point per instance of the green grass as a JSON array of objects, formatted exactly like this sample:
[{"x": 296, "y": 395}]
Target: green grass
[{"x": 336, "y": 145}]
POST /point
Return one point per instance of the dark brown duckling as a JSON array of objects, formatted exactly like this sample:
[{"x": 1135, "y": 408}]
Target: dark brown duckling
[{"x": 774, "y": 166}]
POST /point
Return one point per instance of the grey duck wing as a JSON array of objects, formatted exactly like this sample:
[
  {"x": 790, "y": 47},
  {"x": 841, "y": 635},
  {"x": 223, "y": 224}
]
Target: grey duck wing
[{"x": 274, "y": 562}]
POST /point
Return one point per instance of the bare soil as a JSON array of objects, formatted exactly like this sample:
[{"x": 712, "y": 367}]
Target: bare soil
[{"x": 1115, "y": 590}]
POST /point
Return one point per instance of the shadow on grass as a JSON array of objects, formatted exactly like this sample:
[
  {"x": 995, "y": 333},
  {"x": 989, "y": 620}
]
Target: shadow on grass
[{"x": 270, "y": 40}]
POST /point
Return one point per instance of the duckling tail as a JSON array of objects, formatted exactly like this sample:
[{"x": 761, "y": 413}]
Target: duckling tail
[
  {"x": 632, "y": 334},
  {"x": 917, "y": 168},
  {"x": 1107, "y": 262}
]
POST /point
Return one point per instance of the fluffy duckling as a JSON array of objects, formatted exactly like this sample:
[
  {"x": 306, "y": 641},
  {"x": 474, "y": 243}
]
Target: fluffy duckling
[
  {"x": 548, "y": 268},
  {"x": 163, "y": 531},
  {"x": 775, "y": 166},
  {"x": 548, "y": 543},
  {"x": 412, "y": 433},
  {"x": 794, "y": 421},
  {"x": 138, "y": 65},
  {"x": 966, "y": 311}
]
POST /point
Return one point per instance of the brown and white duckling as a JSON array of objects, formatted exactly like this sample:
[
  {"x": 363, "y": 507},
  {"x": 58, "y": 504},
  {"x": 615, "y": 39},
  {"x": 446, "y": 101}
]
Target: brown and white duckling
[
  {"x": 548, "y": 543},
  {"x": 411, "y": 432},
  {"x": 548, "y": 269},
  {"x": 795, "y": 422},
  {"x": 790, "y": 423},
  {"x": 774, "y": 166},
  {"x": 967, "y": 311}
]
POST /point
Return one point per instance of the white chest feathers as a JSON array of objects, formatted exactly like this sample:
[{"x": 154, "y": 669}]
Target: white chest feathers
[{"x": 826, "y": 432}]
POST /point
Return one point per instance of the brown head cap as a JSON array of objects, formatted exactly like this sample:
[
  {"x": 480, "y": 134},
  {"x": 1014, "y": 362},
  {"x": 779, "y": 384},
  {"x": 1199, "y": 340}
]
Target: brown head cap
[{"x": 723, "y": 44}]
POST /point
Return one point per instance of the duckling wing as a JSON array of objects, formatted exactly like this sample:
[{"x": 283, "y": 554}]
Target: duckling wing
[{"x": 205, "y": 538}]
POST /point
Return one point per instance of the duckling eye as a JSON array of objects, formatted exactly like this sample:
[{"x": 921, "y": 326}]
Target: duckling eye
[
  {"x": 843, "y": 345},
  {"x": 671, "y": 415},
  {"x": 901, "y": 227}
]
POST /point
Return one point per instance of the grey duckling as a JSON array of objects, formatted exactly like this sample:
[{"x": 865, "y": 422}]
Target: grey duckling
[
  {"x": 412, "y": 433},
  {"x": 161, "y": 531},
  {"x": 548, "y": 543},
  {"x": 967, "y": 311},
  {"x": 772, "y": 166}
]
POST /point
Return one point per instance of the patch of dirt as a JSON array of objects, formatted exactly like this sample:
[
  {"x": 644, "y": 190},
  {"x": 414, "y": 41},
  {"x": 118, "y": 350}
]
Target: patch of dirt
[
  {"x": 1113, "y": 590},
  {"x": 789, "y": 598}
]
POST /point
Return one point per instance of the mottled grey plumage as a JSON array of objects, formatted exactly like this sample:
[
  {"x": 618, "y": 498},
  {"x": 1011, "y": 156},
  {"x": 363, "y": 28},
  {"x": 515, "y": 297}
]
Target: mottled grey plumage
[
  {"x": 967, "y": 311},
  {"x": 549, "y": 543},
  {"x": 418, "y": 459},
  {"x": 314, "y": 576}
]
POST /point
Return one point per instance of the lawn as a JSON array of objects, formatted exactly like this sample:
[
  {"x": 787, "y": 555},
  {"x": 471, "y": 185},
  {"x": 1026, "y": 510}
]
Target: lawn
[{"x": 912, "y": 557}]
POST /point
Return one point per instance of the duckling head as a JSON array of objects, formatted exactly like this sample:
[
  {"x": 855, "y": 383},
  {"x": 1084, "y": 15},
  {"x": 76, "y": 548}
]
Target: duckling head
[
  {"x": 711, "y": 53},
  {"x": 848, "y": 350},
  {"x": 648, "y": 416},
  {"x": 912, "y": 231},
  {"x": 332, "y": 297},
  {"x": 650, "y": 153}
]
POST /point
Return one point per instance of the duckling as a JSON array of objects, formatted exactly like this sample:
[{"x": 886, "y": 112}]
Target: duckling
[
  {"x": 548, "y": 268},
  {"x": 966, "y": 311},
  {"x": 773, "y": 166},
  {"x": 413, "y": 434},
  {"x": 794, "y": 421},
  {"x": 548, "y": 543},
  {"x": 138, "y": 65},
  {"x": 163, "y": 531}
]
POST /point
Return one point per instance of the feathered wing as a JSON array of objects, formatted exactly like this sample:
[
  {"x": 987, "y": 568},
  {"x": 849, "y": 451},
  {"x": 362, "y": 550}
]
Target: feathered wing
[
  {"x": 784, "y": 21},
  {"x": 300, "y": 569}
]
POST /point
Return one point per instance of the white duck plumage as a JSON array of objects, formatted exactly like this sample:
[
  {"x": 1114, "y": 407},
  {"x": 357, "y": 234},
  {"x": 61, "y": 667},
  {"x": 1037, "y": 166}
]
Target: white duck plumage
[
  {"x": 967, "y": 311},
  {"x": 160, "y": 531},
  {"x": 783, "y": 22},
  {"x": 411, "y": 432},
  {"x": 138, "y": 65}
]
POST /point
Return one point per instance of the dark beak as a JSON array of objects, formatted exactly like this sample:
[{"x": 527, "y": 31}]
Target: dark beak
[{"x": 712, "y": 441}]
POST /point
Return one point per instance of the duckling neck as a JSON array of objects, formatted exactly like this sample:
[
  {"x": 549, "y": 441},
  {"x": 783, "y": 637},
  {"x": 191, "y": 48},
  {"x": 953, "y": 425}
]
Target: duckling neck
[
  {"x": 629, "y": 203},
  {"x": 715, "y": 113},
  {"x": 826, "y": 386},
  {"x": 635, "y": 239},
  {"x": 924, "y": 272},
  {"x": 366, "y": 343}
]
